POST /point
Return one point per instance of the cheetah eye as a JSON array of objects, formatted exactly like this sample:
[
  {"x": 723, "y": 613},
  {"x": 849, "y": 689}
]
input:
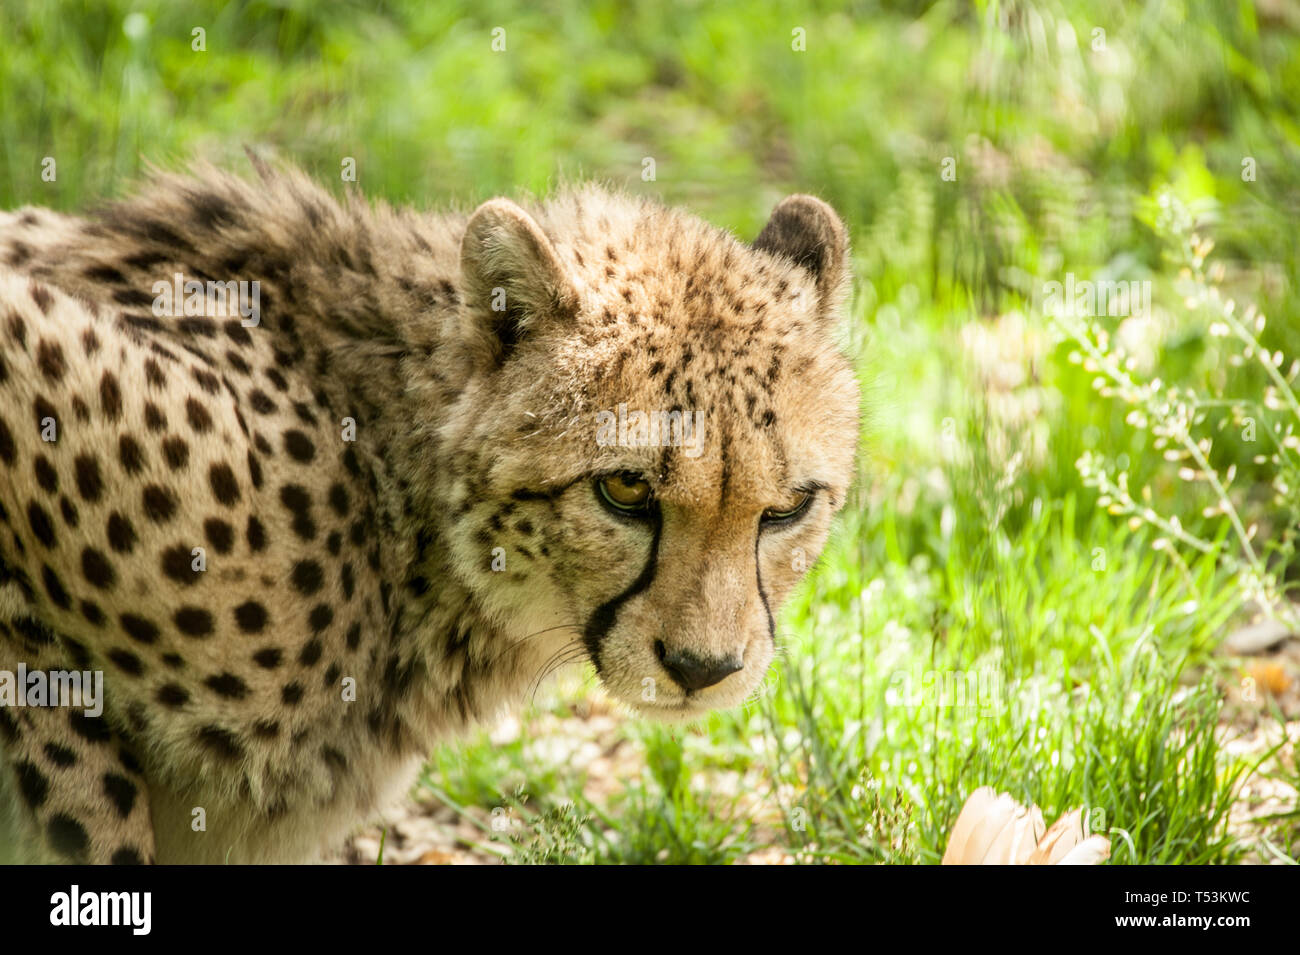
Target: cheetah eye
[
  {"x": 626, "y": 493},
  {"x": 772, "y": 516}
]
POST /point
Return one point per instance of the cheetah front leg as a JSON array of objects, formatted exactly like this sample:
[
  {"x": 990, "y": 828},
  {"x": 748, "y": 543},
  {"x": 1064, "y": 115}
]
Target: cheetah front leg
[
  {"x": 79, "y": 791},
  {"x": 74, "y": 788}
]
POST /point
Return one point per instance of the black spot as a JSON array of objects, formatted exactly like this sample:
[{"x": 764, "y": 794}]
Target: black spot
[
  {"x": 131, "y": 454},
  {"x": 227, "y": 685},
  {"x": 354, "y": 636},
  {"x": 304, "y": 411},
  {"x": 129, "y": 762},
  {"x": 299, "y": 446},
  {"x": 80, "y": 409},
  {"x": 97, "y": 569},
  {"x": 194, "y": 325},
  {"x": 90, "y": 610},
  {"x": 20, "y": 254},
  {"x": 268, "y": 658},
  {"x": 169, "y": 694},
  {"x": 224, "y": 486},
  {"x": 139, "y": 628},
  {"x": 32, "y": 630},
  {"x": 153, "y": 374},
  {"x": 251, "y": 616},
  {"x": 154, "y": 419},
  {"x": 42, "y": 409},
  {"x": 60, "y": 755},
  {"x": 110, "y": 396},
  {"x": 207, "y": 380},
  {"x": 145, "y": 260},
  {"x": 133, "y": 297},
  {"x": 221, "y": 742},
  {"x": 159, "y": 503},
  {"x": 67, "y": 836},
  {"x": 93, "y": 729},
  {"x": 126, "y": 661},
  {"x": 398, "y": 677},
  {"x": 105, "y": 273},
  {"x": 80, "y": 655},
  {"x": 266, "y": 729},
  {"x": 291, "y": 694},
  {"x": 254, "y": 470},
  {"x": 351, "y": 463},
  {"x": 121, "y": 793},
  {"x": 49, "y": 359},
  {"x": 220, "y": 535},
  {"x": 321, "y": 616},
  {"x": 177, "y": 563},
  {"x": 41, "y": 523},
  {"x": 32, "y": 784},
  {"x": 145, "y": 323},
  {"x": 238, "y": 363},
  {"x": 193, "y": 621},
  {"x": 7, "y": 447},
  {"x": 347, "y": 580},
  {"x": 298, "y": 501},
  {"x": 126, "y": 856},
  {"x": 256, "y": 534},
  {"x": 54, "y": 587},
  {"x": 46, "y": 476},
  {"x": 175, "y": 452},
  {"x": 18, "y": 330},
  {"x": 307, "y": 576},
  {"x": 198, "y": 416},
  {"x": 236, "y": 331},
  {"x": 261, "y": 403},
  {"x": 339, "y": 499},
  {"x": 310, "y": 653},
  {"x": 121, "y": 533},
  {"x": 212, "y": 211}
]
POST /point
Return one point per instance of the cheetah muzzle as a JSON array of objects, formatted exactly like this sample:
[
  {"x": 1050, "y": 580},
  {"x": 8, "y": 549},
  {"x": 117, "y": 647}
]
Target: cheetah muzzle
[{"x": 448, "y": 456}]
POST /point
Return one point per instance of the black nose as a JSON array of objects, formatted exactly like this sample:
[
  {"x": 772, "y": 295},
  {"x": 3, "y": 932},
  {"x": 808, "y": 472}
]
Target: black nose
[{"x": 694, "y": 672}]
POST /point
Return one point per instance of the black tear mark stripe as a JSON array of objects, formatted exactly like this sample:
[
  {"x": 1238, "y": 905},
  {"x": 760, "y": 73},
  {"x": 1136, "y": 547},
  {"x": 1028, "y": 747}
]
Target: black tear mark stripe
[
  {"x": 762, "y": 594},
  {"x": 603, "y": 617},
  {"x": 724, "y": 455}
]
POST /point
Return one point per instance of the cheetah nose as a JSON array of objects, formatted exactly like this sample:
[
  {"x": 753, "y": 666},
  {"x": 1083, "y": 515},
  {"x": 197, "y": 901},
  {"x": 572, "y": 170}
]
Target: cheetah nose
[{"x": 694, "y": 672}]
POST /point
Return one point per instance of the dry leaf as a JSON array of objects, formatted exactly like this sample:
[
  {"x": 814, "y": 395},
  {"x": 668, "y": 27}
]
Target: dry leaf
[
  {"x": 994, "y": 829},
  {"x": 1269, "y": 675}
]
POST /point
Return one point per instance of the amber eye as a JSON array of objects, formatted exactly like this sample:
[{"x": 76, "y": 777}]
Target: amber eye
[
  {"x": 626, "y": 493},
  {"x": 785, "y": 515}
]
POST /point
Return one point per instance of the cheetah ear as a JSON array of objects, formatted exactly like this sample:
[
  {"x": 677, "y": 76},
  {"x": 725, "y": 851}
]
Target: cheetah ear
[
  {"x": 807, "y": 231},
  {"x": 511, "y": 277}
]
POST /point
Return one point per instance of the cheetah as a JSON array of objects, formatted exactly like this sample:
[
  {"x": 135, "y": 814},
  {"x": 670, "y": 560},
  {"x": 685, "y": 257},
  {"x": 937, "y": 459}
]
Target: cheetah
[{"x": 446, "y": 456}]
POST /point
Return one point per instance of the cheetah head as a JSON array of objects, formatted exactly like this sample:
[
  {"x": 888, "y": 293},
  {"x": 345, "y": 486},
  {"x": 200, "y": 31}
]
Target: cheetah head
[{"x": 656, "y": 433}]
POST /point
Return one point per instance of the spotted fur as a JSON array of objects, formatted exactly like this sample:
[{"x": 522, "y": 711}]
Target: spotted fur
[{"x": 388, "y": 483}]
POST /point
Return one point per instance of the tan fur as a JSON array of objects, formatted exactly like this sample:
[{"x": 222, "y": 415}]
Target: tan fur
[{"x": 447, "y": 559}]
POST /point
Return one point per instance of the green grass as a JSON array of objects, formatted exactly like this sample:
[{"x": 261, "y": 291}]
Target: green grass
[{"x": 955, "y": 557}]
